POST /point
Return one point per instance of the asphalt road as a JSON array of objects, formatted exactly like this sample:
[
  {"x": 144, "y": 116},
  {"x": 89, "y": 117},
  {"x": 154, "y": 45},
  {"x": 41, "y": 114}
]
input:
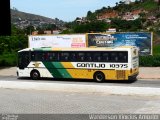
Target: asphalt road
[
  {"x": 138, "y": 88},
  {"x": 154, "y": 83}
]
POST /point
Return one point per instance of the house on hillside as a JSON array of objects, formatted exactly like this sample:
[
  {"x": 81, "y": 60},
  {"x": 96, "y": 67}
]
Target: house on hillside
[
  {"x": 48, "y": 32},
  {"x": 130, "y": 16},
  {"x": 126, "y": 1},
  {"x": 35, "y": 33},
  {"x": 152, "y": 19},
  {"x": 156, "y": 0},
  {"x": 81, "y": 20},
  {"x": 133, "y": 15}
]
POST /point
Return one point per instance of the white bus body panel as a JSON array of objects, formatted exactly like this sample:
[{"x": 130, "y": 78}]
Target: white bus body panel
[{"x": 34, "y": 66}]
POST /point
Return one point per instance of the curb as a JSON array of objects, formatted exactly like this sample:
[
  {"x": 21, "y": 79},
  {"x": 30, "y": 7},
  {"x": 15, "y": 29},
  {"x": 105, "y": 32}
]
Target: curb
[
  {"x": 148, "y": 78},
  {"x": 100, "y": 89}
]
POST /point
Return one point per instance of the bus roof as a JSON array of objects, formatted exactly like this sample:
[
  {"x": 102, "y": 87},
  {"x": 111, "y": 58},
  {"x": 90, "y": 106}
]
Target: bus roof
[{"x": 78, "y": 49}]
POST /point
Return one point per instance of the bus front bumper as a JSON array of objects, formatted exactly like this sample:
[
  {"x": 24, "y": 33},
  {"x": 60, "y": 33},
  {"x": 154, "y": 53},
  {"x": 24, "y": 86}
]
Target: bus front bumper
[{"x": 133, "y": 77}]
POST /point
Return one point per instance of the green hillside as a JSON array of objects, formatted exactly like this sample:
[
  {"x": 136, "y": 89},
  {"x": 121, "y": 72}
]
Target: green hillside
[{"x": 148, "y": 5}]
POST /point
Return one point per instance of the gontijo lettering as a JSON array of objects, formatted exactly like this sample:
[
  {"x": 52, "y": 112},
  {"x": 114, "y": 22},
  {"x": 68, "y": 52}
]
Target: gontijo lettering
[{"x": 90, "y": 65}]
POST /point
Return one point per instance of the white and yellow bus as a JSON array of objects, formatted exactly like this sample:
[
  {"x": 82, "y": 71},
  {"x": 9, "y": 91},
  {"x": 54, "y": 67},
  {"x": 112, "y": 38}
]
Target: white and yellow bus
[{"x": 119, "y": 63}]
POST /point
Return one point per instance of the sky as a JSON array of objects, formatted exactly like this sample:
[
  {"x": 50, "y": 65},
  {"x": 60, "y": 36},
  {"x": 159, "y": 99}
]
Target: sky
[{"x": 66, "y": 10}]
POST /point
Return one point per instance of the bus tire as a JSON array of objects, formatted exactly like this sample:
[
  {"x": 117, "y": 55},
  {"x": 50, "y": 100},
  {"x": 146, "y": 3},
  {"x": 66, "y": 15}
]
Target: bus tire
[
  {"x": 99, "y": 76},
  {"x": 35, "y": 75}
]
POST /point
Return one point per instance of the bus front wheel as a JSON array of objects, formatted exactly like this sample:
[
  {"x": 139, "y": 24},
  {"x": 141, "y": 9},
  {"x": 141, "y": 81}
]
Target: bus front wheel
[
  {"x": 35, "y": 75},
  {"x": 99, "y": 76}
]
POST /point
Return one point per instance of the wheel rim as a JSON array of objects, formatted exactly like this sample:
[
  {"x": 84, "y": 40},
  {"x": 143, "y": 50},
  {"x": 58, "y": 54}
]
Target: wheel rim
[
  {"x": 35, "y": 75},
  {"x": 99, "y": 77}
]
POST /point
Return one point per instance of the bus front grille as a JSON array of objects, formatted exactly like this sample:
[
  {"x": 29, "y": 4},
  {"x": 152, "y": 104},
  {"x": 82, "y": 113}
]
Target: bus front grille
[{"x": 120, "y": 74}]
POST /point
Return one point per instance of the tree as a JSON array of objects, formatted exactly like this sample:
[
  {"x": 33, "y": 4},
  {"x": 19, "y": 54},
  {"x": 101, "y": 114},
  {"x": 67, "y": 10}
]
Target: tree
[
  {"x": 89, "y": 13},
  {"x": 137, "y": 1},
  {"x": 116, "y": 3},
  {"x": 29, "y": 29},
  {"x": 51, "y": 27},
  {"x": 142, "y": 15},
  {"x": 94, "y": 26},
  {"x": 91, "y": 16},
  {"x": 16, "y": 31},
  {"x": 124, "y": 25}
]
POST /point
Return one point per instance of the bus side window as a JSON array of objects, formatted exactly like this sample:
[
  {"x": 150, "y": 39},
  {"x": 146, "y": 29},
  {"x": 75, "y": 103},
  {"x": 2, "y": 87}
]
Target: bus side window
[
  {"x": 64, "y": 56},
  {"x": 38, "y": 56},
  {"x": 41, "y": 56},
  {"x": 97, "y": 57},
  {"x": 80, "y": 56},
  {"x": 114, "y": 57},
  {"x": 125, "y": 58},
  {"x": 52, "y": 56},
  {"x": 72, "y": 57},
  {"x": 106, "y": 57},
  {"x": 122, "y": 57},
  {"x": 44, "y": 56},
  {"x": 33, "y": 56},
  {"x": 89, "y": 57}
]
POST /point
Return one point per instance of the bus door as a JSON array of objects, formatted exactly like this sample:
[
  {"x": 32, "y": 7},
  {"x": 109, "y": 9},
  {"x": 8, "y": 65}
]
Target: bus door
[{"x": 23, "y": 59}]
